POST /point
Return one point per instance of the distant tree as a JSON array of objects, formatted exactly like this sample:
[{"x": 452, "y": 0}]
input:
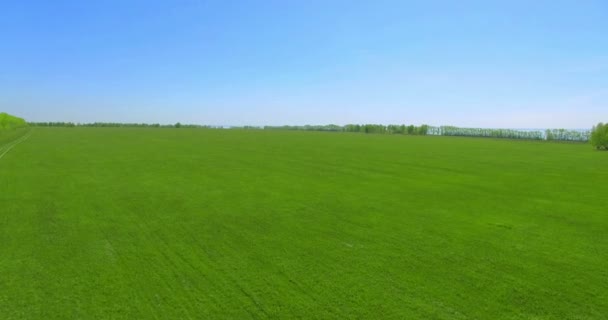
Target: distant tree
[
  {"x": 599, "y": 136},
  {"x": 178, "y": 125},
  {"x": 8, "y": 121},
  {"x": 423, "y": 130},
  {"x": 411, "y": 129}
]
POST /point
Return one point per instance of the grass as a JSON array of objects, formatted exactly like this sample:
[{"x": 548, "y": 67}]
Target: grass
[
  {"x": 100, "y": 223},
  {"x": 9, "y": 135}
]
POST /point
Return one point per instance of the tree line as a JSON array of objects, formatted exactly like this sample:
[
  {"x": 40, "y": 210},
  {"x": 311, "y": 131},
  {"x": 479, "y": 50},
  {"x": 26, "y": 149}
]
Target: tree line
[
  {"x": 486, "y": 132},
  {"x": 598, "y": 139},
  {"x": 360, "y": 128},
  {"x": 548, "y": 134},
  {"x": 117, "y": 125}
]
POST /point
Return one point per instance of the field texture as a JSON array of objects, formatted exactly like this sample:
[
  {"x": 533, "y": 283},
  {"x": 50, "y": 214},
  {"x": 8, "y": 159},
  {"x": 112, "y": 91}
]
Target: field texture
[{"x": 101, "y": 223}]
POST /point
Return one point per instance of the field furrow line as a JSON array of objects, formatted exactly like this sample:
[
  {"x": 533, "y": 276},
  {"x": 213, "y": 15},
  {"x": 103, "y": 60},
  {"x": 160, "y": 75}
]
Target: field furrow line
[{"x": 4, "y": 150}]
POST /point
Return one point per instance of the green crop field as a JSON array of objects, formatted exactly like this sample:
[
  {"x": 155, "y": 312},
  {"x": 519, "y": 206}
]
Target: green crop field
[{"x": 134, "y": 223}]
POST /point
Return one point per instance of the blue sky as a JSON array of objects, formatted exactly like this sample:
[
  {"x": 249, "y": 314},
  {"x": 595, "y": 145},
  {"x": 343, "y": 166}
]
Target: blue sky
[{"x": 516, "y": 64}]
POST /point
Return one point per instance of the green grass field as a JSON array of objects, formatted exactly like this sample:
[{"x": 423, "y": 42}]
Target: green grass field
[{"x": 110, "y": 223}]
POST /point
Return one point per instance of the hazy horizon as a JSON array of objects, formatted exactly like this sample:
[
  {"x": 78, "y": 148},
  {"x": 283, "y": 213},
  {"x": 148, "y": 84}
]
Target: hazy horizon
[
  {"x": 304, "y": 124},
  {"x": 508, "y": 64}
]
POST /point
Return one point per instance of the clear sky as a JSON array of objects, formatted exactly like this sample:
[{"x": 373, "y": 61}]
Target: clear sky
[{"x": 516, "y": 64}]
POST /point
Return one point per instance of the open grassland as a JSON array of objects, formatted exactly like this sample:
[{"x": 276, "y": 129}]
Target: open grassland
[
  {"x": 191, "y": 223},
  {"x": 9, "y": 136}
]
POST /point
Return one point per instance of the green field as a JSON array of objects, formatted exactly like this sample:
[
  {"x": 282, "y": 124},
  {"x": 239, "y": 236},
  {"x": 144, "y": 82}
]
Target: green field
[{"x": 110, "y": 223}]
